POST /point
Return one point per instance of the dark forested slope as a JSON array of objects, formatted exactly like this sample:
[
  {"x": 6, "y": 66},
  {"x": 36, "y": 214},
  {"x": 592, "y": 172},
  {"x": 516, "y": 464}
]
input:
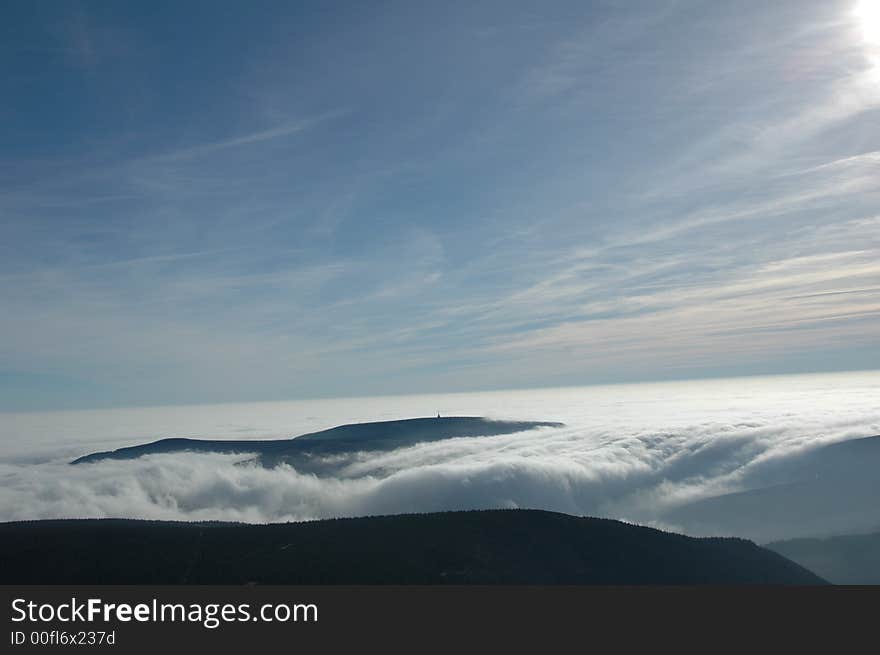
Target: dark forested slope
[{"x": 478, "y": 547}]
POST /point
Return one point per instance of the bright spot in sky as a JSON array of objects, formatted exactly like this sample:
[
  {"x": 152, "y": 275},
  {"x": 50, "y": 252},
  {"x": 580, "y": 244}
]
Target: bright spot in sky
[{"x": 868, "y": 14}]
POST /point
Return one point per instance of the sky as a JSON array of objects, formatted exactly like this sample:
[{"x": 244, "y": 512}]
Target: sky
[{"x": 217, "y": 201}]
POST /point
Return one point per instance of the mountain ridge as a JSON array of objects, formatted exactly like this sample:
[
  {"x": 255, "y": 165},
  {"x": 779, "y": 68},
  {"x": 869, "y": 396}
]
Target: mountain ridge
[
  {"x": 828, "y": 490},
  {"x": 307, "y": 452},
  {"x": 464, "y": 547},
  {"x": 852, "y": 559}
]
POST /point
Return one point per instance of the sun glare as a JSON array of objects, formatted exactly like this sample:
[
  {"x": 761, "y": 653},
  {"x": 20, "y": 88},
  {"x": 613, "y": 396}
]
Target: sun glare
[{"x": 868, "y": 14}]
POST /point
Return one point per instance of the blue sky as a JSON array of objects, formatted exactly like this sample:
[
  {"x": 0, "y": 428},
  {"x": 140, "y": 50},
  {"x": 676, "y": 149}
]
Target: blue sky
[{"x": 208, "y": 202}]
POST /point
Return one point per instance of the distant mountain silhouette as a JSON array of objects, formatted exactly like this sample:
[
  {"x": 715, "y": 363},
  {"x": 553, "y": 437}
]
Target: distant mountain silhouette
[
  {"x": 828, "y": 490},
  {"x": 476, "y": 547},
  {"x": 306, "y": 452},
  {"x": 848, "y": 559}
]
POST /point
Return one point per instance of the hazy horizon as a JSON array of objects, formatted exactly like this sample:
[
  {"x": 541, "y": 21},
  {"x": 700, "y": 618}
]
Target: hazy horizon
[{"x": 447, "y": 392}]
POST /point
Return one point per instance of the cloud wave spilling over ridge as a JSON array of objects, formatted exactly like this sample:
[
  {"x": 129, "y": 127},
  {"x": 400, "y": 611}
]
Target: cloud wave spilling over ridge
[{"x": 630, "y": 452}]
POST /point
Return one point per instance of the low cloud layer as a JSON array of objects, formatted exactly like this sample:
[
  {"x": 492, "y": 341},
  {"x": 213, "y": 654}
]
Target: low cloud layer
[{"x": 627, "y": 452}]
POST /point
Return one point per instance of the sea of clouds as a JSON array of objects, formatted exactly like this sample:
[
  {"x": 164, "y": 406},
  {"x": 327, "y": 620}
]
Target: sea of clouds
[{"x": 626, "y": 451}]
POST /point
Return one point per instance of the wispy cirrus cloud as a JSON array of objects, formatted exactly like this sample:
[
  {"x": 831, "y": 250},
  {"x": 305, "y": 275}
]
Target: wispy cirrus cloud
[
  {"x": 601, "y": 192},
  {"x": 283, "y": 131}
]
